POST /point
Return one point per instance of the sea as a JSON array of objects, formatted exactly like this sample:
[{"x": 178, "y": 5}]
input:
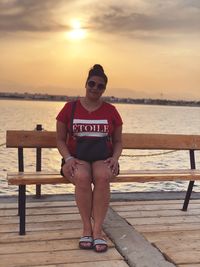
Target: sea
[{"x": 26, "y": 114}]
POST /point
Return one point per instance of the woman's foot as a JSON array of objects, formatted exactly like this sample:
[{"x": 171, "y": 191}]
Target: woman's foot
[
  {"x": 86, "y": 242},
  {"x": 100, "y": 245}
]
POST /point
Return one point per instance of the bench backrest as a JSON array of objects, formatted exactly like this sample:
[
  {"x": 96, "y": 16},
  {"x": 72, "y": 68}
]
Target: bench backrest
[{"x": 47, "y": 139}]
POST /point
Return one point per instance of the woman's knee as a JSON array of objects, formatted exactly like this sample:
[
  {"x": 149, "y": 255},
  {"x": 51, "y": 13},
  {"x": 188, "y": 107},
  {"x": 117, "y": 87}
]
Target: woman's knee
[
  {"x": 102, "y": 177},
  {"x": 82, "y": 178}
]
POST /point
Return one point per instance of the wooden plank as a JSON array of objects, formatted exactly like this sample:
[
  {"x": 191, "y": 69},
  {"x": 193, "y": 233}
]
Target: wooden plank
[
  {"x": 130, "y": 140},
  {"x": 167, "y": 227},
  {"x": 144, "y": 176},
  {"x": 153, "y": 207},
  {"x": 103, "y": 263},
  {"x": 37, "y": 178},
  {"x": 42, "y": 203},
  {"x": 39, "y": 203},
  {"x": 158, "y": 213},
  {"x": 44, "y": 234},
  {"x": 124, "y": 211},
  {"x": 55, "y": 234},
  {"x": 33, "y": 173},
  {"x": 38, "y": 218},
  {"x": 160, "y": 141},
  {"x": 164, "y": 220},
  {"x": 181, "y": 236},
  {"x": 161, "y": 171},
  {"x": 40, "y": 211},
  {"x": 39, "y": 246},
  {"x": 122, "y": 173},
  {"x": 41, "y": 226},
  {"x": 170, "y": 245},
  {"x": 31, "y": 139},
  {"x": 184, "y": 257},
  {"x": 152, "y": 202},
  {"x": 57, "y": 257},
  {"x": 189, "y": 265},
  {"x": 133, "y": 176}
]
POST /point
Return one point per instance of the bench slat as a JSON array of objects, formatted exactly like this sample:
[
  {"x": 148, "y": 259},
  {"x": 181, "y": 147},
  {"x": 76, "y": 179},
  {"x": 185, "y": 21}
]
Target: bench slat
[
  {"x": 47, "y": 139},
  {"x": 131, "y": 176},
  {"x": 161, "y": 141},
  {"x": 122, "y": 172},
  {"x": 31, "y": 139}
]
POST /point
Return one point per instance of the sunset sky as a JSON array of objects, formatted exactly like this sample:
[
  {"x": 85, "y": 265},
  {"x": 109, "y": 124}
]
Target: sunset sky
[{"x": 147, "y": 48}]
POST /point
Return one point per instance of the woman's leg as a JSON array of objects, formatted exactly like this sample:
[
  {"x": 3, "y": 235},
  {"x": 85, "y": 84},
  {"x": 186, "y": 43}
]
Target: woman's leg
[
  {"x": 101, "y": 196},
  {"x": 82, "y": 180}
]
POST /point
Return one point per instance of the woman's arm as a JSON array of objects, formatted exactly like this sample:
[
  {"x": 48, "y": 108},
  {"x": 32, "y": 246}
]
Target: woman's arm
[
  {"x": 61, "y": 137},
  {"x": 117, "y": 142},
  {"x": 117, "y": 150},
  {"x": 70, "y": 162}
]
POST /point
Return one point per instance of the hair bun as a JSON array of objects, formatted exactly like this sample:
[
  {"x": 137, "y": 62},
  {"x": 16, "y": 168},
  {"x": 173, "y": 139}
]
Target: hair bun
[{"x": 98, "y": 68}]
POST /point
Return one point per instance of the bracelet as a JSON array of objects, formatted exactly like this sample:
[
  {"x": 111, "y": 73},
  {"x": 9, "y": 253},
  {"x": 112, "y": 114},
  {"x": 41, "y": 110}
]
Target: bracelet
[{"x": 68, "y": 158}]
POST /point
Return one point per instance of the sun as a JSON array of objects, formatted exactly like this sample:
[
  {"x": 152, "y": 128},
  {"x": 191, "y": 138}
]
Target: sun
[{"x": 77, "y": 32}]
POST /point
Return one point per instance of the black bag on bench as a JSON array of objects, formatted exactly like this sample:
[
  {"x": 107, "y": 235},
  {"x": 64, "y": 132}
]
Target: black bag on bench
[{"x": 92, "y": 149}]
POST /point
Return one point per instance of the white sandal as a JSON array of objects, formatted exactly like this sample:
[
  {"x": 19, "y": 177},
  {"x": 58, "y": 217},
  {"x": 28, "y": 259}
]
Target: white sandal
[
  {"x": 86, "y": 239},
  {"x": 100, "y": 241}
]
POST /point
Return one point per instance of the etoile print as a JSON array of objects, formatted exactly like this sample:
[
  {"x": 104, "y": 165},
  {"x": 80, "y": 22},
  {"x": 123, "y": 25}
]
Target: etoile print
[{"x": 90, "y": 128}]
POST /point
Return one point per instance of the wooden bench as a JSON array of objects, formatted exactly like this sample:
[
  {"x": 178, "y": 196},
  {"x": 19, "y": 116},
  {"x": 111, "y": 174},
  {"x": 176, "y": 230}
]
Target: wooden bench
[{"x": 47, "y": 139}]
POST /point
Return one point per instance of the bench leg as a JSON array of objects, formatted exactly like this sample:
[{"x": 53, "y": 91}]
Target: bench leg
[
  {"x": 38, "y": 191},
  {"x": 18, "y": 201},
  {"x": 188, "y": 194},
  {"x": 22, "y": 209}
]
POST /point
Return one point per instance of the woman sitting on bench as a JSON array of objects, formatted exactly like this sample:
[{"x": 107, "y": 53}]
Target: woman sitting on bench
[{"x": 89, "y": 134}]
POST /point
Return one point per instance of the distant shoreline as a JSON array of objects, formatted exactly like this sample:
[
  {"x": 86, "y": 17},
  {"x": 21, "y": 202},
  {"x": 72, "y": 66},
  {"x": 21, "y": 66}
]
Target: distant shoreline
[{"x": 111, "y": 99}]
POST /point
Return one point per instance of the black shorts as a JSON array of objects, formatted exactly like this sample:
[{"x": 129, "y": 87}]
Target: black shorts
[{"x": 63, "y": 162}]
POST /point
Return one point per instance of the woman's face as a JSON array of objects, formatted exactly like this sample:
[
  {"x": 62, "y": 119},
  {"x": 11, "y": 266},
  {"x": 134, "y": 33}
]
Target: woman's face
[{"x": 95, "y": 87}]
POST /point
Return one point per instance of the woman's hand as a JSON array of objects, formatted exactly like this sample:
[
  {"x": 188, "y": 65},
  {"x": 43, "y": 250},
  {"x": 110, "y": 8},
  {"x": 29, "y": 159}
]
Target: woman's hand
[
  {"x": 113, "y": 164},
  {"x": 71, "y": 165}
]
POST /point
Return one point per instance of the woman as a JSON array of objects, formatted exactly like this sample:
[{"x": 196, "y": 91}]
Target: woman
[{"x": 92, "y": 118}]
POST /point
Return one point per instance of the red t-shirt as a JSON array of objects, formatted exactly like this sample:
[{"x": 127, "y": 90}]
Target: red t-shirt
[{"x": 99, "y": 123}]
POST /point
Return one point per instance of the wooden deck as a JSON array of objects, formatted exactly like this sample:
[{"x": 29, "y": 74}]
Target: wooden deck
[
  {"x": 174, "y": 232},
  {"x": 54, "y": 228},
  {"x": 53, "y": 231}
]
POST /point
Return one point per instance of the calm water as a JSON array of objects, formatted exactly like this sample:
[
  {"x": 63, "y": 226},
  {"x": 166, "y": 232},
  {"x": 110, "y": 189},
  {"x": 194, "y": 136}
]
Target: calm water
[{"x": 24, "y": 115}]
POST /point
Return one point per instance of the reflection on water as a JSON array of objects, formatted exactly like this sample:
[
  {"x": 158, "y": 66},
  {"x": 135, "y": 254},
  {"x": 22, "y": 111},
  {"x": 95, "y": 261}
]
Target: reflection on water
[{"x": 24, "y": 115}]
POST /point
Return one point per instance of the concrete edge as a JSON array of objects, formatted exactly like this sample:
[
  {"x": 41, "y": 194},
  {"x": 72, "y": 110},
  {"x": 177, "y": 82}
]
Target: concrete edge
[
  {"x": 122, "y": 196},
  {"x": 134, "y": 248}
]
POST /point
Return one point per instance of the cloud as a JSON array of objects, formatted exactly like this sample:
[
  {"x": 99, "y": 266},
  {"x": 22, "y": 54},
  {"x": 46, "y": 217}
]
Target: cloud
[
  {"x": 159, "y": 17},
  {"x": 29, "y": 16},
  {"x": 136, "y": 19}
]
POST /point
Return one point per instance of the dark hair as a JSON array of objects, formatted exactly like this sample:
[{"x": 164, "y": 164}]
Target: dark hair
[{"x": 97, "y": 70}]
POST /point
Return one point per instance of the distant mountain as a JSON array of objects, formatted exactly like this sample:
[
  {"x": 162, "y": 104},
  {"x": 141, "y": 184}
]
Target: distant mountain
[
  {"x": 112, "y": 99},
  {"x": 8, "y": 86}
]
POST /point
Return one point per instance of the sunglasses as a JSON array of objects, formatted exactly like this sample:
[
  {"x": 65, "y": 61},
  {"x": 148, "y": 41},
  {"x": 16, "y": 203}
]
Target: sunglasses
[{"x": 99, "y": 86}]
